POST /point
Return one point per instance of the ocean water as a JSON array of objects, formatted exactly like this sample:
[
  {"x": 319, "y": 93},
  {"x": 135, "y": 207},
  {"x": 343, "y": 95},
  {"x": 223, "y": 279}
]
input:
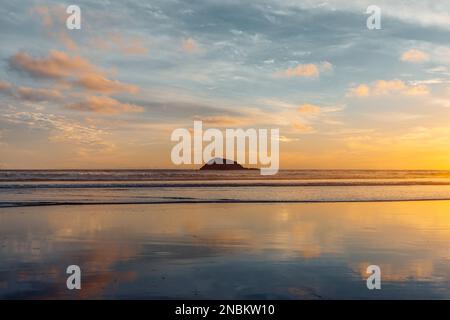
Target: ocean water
[
  {"x": 58, "y": 187},
  {"x": 156, "y": 234}
]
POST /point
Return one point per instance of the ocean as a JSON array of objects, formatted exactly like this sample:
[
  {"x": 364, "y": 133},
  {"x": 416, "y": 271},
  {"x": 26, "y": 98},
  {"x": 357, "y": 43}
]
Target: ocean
[{"x": 58, "y": 187}]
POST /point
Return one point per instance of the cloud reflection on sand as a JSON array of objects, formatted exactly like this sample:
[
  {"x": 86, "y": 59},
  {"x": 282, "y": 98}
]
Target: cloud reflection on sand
[{"x": 227, "y": 250}]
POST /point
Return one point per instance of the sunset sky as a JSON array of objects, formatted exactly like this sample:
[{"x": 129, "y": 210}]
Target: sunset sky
[{"x": 110, "y": 94}]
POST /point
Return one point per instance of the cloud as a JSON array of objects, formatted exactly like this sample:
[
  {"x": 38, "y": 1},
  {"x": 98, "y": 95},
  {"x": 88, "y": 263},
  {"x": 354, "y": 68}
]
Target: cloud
[
  {"x": 97, "y": 82},
  {"x": 361, "y": 90},
  {"x": 398, "y": 86},
  {"x": 429, "y": 81},
  {"x": 413, "y": 12},
  {"x": 309, "y": 70},
  {"x": 50, "y": 15},
  {"x": 309, "y": 108},
  {"x": 53, "y": 19},
  {"x": 103, "y": 104},
  {"x": 295, "y": 118},
  {"x": 30, "y": 94},
  {"x": 5, "y": 86},
  {"x": 127, "y": 44},
  {"x": 62, "y": 128},
  {"x": 287, "y": 139},
  {"x": 39, "y": 94},
  {"x": 72, "y": 69},
  {"x": 278, "y": 104},
  {"x": 221, "y": 120},
  {"x": 57, "y": 65},
  {"x": 387, "y": 87},
  {"x": 326, "y": 66},
  {"x": 418, "y": 90},
  {"x": 414, "y": 56},
  {"x": 302, "y": 70},
  {"x": 443, "y": 102},
  {"x": 134, "y": 47},
  {"x": 189, "y": 45},
  {"x": 302, "y": 128}
]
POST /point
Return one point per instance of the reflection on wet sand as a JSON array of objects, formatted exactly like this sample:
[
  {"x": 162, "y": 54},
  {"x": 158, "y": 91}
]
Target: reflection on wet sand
[{"x": 289, "y": 251}]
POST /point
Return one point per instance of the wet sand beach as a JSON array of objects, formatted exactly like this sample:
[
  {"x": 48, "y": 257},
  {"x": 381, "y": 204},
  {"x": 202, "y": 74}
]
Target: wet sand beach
[{"x": 227, "y": 251}]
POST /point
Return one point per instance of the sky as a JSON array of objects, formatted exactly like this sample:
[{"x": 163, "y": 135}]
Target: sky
[{"x": 110, "y": 94}]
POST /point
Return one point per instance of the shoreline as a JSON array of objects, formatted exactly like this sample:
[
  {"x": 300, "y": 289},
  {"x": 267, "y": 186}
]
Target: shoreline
[
  {"x": 341, "y": 182},
  {"x": 184, "y": 202}
]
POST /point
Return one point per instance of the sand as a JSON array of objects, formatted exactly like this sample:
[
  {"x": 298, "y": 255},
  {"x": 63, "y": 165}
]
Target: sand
[{"x": 225, "y": 251}]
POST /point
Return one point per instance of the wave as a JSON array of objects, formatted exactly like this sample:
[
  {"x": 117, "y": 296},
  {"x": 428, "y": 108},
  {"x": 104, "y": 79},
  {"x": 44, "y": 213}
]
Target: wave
[
  {"x": 182, "y": 175},
  {"x": 215, "y": 184},
  {"x": 230, "y": 201}
]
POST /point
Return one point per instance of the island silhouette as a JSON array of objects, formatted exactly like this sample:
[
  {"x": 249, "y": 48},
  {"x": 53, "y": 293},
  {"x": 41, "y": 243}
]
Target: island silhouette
[{"x": 223, "y": 164}]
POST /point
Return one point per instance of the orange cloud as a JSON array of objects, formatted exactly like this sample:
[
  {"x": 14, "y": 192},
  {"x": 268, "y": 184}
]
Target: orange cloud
[
  {"x": 30, "y": 94},
  {"x": 361, "y": 90},
  {"x": 103, "y": 104},
  {"x": 393, "y": 86},
  {"x": 309, "y": 108},
  {"x": 33, "y": 94},
  {"x": 97, "y": 82},
  {"x": 414, "y": 56},
  {"x": 302, "y": 70},
  {"x": 53, "y": 19},
  {"x": 49, "y": 15},
  {"x": 4, "y": 86},
  {"x": 386, "y": 87},
  {"x": 56, "y": 65}
]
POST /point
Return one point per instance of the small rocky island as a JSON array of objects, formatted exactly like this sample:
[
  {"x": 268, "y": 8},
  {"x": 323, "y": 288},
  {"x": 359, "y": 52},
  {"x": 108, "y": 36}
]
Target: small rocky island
[{"x": 223, "y": 164}]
